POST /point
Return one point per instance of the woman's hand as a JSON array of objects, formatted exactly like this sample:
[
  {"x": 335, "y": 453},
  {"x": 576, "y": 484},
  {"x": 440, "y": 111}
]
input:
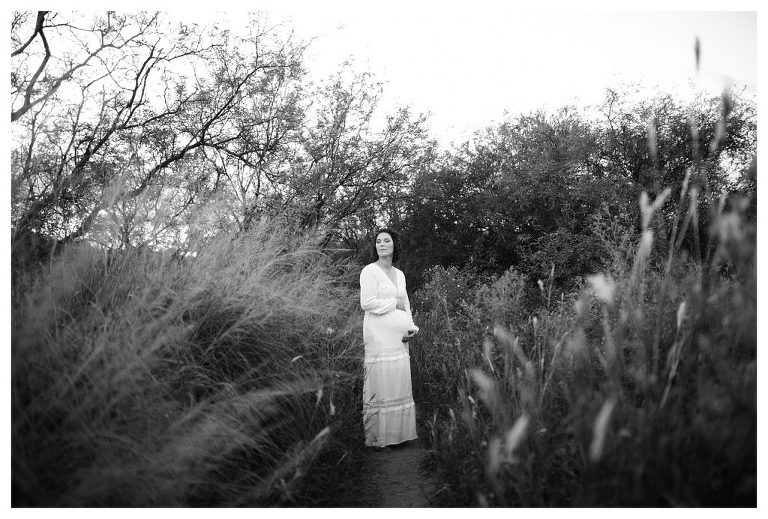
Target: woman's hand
[{"x": 400, "y": 304}]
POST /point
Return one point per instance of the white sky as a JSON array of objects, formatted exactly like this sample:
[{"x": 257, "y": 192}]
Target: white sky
[{"x": 468, "y": 62}]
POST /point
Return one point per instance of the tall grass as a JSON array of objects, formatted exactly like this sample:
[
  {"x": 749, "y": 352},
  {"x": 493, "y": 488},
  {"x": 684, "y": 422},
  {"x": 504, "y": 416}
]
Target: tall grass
[
  {"x": 636, "y": 389},
  {"x": 230, "y": 378}
]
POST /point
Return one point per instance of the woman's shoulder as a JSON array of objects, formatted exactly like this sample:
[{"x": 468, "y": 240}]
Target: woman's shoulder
[{"x": 369, "y": 267}]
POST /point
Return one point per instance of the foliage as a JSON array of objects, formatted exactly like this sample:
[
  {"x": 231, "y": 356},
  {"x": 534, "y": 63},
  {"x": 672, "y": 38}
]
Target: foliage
[
  {"x": 524, "y": 193},
  {"x": 635, "y": 390}
]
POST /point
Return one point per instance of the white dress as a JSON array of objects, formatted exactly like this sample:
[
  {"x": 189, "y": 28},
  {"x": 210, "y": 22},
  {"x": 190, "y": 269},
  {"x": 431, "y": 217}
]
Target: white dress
[{"x": 389, "y": 414}]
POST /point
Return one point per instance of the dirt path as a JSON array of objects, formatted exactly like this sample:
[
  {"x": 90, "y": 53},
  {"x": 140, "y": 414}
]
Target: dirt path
[{"x": 394, "y": 477}]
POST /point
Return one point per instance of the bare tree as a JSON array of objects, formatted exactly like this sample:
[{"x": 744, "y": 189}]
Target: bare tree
[
  {"x": 125, "y": 125},
  {"x": 353, "y": 155},
  {"x": 253, "y": 170},
  {"x": 129, "y": 104}
]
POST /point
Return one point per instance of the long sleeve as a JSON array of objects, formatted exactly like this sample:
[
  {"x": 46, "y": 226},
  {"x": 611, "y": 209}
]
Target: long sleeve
[
  {"x": 406, "y": 301},
  {"x": 368, "y": 295}
]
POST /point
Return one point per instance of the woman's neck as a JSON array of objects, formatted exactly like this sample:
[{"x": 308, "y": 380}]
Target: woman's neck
[{"x": 385, "y": 262}]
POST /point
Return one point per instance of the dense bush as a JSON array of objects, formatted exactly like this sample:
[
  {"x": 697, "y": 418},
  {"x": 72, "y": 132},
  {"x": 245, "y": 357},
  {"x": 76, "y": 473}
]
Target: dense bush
[
  {"x": 638, "y": 389},
  {"x": 524, "y": 193}
]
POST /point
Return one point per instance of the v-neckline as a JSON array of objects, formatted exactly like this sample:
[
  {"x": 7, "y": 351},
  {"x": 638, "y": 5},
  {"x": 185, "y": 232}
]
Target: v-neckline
[{"x": 387, "y": 275}]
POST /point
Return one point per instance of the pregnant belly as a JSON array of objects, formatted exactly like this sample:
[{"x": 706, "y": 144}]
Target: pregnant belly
[
  {"x": 398, "y": 322},
  {"x": 395, "y": 323}
]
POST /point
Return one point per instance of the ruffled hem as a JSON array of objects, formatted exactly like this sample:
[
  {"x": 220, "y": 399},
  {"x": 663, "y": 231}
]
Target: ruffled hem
[
  {"x": 388, "y": 406},
  {"x": 392, "y": 356},
  {"x": 390, "y": 426}
]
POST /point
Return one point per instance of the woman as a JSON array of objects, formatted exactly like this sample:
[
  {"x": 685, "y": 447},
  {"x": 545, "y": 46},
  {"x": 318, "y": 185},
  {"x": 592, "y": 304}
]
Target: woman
[{"x": 388, "y": 409}]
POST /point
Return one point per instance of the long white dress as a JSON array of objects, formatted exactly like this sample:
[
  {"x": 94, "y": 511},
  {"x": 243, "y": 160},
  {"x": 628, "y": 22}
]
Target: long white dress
[{"x": 389, "y": 414}]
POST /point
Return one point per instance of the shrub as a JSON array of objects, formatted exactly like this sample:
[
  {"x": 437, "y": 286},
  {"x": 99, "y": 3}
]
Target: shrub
[{"x": 637, "y": 389}]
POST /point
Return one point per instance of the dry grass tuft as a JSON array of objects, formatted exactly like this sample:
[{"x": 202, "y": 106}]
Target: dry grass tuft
[{"x": 145, "y": 380}]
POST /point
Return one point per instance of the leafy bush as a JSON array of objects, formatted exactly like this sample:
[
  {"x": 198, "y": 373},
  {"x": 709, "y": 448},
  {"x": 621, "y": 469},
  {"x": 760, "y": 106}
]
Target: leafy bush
[{"x": 636, "y": 389}]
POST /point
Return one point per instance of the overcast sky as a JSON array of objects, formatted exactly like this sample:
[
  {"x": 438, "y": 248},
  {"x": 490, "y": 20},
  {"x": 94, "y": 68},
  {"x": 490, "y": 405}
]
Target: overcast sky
[{"x": 468, "y": 62}]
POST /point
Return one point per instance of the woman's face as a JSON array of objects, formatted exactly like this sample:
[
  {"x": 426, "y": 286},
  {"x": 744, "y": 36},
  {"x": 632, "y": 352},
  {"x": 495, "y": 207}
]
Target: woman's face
[{"x": 384, "y": 245}]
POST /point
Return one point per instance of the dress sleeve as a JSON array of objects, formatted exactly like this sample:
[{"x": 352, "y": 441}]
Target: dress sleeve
[
  {"x": 406, "y": 301},
  {"x": 368, "y": 292}
]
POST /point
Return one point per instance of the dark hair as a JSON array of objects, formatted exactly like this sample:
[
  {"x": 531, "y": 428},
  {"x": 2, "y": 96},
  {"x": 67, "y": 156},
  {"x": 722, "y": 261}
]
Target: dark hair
[{"x": 395, "y": 242}]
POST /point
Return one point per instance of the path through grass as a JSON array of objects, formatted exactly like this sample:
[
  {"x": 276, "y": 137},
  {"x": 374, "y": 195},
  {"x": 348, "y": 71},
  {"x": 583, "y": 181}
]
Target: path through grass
[{"x": 396, "y": 478}]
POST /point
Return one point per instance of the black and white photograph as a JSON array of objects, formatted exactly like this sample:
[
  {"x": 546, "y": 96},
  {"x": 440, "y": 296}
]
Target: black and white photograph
[{"x": 405, "y": 254}]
